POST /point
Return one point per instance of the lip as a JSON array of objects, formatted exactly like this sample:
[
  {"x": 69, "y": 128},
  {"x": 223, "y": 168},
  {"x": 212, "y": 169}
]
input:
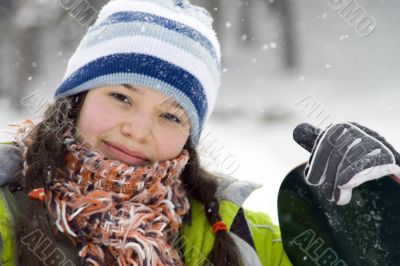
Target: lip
[{"x": 125, "y": 155}]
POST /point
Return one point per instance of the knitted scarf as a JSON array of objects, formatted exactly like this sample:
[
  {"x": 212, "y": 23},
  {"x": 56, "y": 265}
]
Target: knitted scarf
[{"x": 128, "y": 212}]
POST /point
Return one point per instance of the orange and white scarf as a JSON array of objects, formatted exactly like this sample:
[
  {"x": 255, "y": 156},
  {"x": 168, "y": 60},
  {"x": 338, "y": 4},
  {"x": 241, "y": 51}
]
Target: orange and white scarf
[{"x": 104, "y": 205}]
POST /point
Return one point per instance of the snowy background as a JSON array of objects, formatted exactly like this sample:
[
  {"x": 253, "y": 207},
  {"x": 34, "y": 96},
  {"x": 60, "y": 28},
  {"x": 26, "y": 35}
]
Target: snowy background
[{"x": 285, "y": 62}]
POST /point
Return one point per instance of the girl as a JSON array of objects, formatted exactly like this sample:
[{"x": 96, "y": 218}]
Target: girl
[{"x": 110, "y": 175}]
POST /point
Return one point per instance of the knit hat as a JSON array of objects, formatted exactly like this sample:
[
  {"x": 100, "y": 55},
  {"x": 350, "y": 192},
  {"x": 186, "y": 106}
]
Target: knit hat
[{"x": 167, "y": 45}]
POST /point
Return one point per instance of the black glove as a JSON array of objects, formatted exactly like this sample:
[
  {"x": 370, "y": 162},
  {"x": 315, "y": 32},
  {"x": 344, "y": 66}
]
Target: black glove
[{"x": 344, "y": 156}]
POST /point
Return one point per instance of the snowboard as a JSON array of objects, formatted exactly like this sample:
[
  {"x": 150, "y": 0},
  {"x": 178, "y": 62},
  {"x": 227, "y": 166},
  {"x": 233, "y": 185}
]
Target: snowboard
[{"x": 315, "y": 231}]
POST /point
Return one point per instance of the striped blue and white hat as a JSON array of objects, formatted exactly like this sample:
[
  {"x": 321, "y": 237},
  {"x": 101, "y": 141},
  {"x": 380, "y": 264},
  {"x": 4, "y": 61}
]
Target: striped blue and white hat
[{"x": 167, "y": 45}]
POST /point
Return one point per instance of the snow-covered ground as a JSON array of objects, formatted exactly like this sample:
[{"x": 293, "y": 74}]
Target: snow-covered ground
[{"x": 340, "y": 74}]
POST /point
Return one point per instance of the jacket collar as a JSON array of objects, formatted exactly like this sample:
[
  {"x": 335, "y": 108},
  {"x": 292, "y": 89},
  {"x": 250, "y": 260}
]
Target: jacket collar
[{"x": 235, "y": 190}]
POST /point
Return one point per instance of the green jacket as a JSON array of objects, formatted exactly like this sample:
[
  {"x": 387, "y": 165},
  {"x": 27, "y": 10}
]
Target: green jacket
[{"x": 262, "y": 247}]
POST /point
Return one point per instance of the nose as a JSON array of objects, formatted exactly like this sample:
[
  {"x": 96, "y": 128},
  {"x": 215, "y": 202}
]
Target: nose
[{"x": 139, "y": 127}]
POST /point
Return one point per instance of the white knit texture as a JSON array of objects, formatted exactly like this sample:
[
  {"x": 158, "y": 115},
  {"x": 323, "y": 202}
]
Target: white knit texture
[{"x": 151, "y": 8}]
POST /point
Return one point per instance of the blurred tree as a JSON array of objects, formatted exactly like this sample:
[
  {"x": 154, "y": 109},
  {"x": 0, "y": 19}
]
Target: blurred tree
[
  {"x": 21, "y": 25},
  {"x": 6, "y": 10},
  {"x": 26, "y": 26},
  {"x": 282, "y": 9}
]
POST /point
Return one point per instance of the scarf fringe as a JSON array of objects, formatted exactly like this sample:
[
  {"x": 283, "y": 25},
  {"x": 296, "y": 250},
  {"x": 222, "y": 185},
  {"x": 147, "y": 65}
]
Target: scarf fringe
[{"x": 112, "y": 209}]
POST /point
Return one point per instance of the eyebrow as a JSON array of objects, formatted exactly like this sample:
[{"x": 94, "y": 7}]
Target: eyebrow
[
  {"x": 174, "y": 104},
  {"x": 177, "y": 105},
  {"x": 130, "y": 87}
]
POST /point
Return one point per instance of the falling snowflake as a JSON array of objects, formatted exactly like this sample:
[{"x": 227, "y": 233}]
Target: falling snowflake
[{"x": 342, "y": 37}]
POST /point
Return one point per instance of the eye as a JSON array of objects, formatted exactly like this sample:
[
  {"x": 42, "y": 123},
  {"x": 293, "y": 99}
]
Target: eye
[
  {"x": 172, "y": 118},
  {"x": 120, "y": 97}
]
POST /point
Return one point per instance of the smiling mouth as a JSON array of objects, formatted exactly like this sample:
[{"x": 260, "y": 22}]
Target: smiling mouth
[{"x": 121, "y": 155}]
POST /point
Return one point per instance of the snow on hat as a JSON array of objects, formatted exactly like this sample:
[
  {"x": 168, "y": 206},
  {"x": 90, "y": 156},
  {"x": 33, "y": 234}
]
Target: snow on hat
[{"x": 167, "y": 45}]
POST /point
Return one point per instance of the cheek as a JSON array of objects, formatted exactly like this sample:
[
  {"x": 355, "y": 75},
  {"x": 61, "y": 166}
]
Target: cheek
[
  {"x": 95, "y": 120},
  {"x": 170, "y": 145}
]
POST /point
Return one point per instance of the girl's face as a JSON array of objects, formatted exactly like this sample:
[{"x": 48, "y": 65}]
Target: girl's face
[{"x": 135, "y": 125}]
